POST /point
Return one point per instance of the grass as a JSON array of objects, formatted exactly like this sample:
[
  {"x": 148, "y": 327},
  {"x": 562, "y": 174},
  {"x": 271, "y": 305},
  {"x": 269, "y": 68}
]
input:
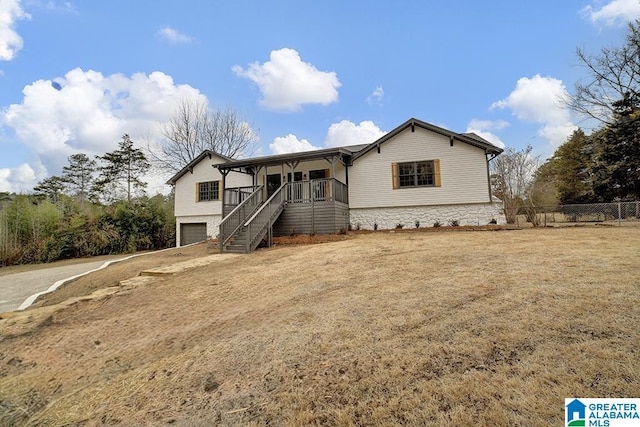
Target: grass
[{"x": 443, "y": 329}]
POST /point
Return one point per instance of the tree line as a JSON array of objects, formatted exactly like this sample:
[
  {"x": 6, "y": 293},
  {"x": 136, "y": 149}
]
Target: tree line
[
  {"x": 95, "y": 207},
  {"x": 98, "y": 205},
  {"x": 600, "y": 167}
]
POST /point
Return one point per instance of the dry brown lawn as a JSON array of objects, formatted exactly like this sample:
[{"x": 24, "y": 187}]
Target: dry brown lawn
[{"x": 491, "y": 328}]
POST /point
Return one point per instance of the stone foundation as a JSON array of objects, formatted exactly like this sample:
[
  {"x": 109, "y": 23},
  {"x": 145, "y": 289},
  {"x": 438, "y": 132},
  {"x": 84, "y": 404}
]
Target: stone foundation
[{"x": 389, "y": 218}]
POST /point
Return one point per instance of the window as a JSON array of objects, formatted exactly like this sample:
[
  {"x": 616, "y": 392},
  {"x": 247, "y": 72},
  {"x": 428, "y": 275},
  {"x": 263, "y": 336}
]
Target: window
[
  {"x": 209, "y": 190},
  {"x": 416, "y": 174}
]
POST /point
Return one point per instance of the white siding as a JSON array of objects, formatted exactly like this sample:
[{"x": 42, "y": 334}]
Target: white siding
[
  {"x": 185, "y": 191},
  {"x": 463, "y": 172}
]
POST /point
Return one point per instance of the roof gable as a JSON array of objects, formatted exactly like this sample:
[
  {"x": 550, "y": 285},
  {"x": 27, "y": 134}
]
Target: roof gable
[
  {"x": 468, "y": 138},
  {"x": 206, "y": 154}
]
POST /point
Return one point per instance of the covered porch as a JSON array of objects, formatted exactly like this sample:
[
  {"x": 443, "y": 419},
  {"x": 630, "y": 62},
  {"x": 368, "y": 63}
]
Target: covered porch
[{"x": 314, "y": 187}]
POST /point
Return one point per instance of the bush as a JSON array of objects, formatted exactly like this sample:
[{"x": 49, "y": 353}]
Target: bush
[
  {"x": 437, "y": 224},
  {"x": 454, "y": 223},
  {"x": 399, "y": 226}
]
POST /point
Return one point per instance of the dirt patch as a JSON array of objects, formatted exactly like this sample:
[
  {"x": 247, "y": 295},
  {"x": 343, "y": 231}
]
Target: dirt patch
[
  {"x": 373, "y": 329},
  {"x": 304, "y": 239},
  {"x": 119, "y": 271}
]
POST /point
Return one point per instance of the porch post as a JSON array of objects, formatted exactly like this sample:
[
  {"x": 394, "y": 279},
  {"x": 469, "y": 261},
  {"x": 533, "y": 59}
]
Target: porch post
[
  {"x": 332, "y": 160},
  {"x": 224, "y": 173}
]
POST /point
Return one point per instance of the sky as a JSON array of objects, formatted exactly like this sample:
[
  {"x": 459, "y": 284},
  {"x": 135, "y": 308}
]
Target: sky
[{"x": 76, "y": 75}]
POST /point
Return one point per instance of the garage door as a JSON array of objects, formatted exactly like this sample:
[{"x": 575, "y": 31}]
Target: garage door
[{"x": 192, "y": 233}]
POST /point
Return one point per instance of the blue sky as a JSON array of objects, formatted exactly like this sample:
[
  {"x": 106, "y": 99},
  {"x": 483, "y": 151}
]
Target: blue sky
[{"x": 76, "y": 75}]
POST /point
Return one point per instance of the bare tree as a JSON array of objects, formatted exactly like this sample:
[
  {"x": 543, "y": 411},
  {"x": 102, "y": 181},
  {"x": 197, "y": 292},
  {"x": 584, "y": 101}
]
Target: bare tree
[
  {"x": 613, "y": 74},
  {"x": 194, "y": 128},
  {"x": 512, "y": 176}
]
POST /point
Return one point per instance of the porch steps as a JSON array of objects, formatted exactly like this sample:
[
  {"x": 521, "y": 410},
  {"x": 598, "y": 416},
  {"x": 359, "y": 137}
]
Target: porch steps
[
  {"x": 253, "y": 230},
  {"x": 237, "y": 245}
]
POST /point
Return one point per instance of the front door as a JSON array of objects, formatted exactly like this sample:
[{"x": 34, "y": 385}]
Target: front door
[
  {"x": 273, "y": 183},
  {"x": 295, "y": 190},
  {"x": 320, "y": 189}
]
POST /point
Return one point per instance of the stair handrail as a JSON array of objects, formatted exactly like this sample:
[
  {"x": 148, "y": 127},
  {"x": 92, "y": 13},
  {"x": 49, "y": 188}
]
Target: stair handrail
[
  {"x": 273, "y": 206},
  {"x": 231, "y": 223}
]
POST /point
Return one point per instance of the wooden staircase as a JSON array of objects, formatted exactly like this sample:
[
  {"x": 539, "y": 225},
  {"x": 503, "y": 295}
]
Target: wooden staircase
[{"x": 250, "y": 222}]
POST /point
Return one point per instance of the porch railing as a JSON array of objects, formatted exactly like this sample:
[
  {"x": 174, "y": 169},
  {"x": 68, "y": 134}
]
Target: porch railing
[
  {"x": 234, "y": 196},
  {"x": 237, "y": 217},
  {"x": 262, "y": 220},
  {"x": 317, "y": 190}
]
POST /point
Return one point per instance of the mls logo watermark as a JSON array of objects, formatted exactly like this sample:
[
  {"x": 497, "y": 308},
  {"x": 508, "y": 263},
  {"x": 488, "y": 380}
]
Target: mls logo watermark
[{"x": 580, "y": 412}]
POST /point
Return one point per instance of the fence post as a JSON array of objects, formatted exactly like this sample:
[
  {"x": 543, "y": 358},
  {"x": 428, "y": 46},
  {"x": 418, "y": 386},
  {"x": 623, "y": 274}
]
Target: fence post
[{"x": 619, "y": 213}]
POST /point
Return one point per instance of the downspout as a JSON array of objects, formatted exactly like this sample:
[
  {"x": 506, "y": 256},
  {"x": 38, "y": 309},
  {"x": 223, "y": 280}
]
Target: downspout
[
  {"x": 346, "y": 171},
  {"x": 493, "y": 156}
]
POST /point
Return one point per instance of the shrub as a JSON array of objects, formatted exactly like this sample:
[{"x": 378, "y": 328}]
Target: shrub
[
  {"x": 399, "y": 226},
  {"x": 437, "y": 224},
  {"x": 493, "y": 221},
  {"x": 454, "y": 223}
]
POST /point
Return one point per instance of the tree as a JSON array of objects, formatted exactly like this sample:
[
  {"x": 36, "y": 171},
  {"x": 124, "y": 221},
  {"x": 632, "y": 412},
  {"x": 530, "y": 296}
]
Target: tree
[
  {"x": 613, "y": 74},
  {"x": 50, "y": 187},
  {"x": 122, "y": 170},
  {"x": 512, "y": 175},
  {"x": 570, "y": 169},
  {"x": 544, "y": 187},
  {"x": 79, "y": 176},
  {"x": 194, "y": 128},
  {"x": 617, "y": 161}
]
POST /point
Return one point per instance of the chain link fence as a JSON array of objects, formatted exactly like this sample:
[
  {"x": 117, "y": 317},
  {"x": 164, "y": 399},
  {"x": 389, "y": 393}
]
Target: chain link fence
[{"x": 616, "y": 213}]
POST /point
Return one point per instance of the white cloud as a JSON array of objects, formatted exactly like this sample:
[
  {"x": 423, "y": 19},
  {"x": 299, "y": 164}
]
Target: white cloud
[
  {"x": 376, "y": 96},
  {"x": 482, "y": 128},
  {"x": 290, "y": 144},
  {"x": 539, "y": 100},
  {"x": 614, "y": 13},
  {"x": 491, "y": 137},
  {"x": 287, "y": 83},
  {"x": 51, "y": 5},
  {"x": 348, "y": 133},
  {"x": 10, "y": 40},
  {"x": 488, "y": 124},
  {"x": 339, "y": 134},
  {"x": 22, "y": 178},
  {"x": 87, "y": 112},
  {"x": 173, "y": 36}
]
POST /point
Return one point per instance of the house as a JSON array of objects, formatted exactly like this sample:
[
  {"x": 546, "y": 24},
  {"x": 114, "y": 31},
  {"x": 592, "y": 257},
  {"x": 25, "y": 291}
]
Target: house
[
  {"x": 576, "y": 410},
  {"x": 198, "y": 197},
  {"x": 418, "y": 172}
]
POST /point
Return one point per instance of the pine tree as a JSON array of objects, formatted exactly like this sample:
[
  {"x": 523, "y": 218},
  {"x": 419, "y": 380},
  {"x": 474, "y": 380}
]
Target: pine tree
[
  {"x": 571, "y": 167},
  {"x": 79, "y": 176},
  {"x": 50, "y": 187},
  {"x": 122, "y": 171},
  {"x": 617, "y": 166}
]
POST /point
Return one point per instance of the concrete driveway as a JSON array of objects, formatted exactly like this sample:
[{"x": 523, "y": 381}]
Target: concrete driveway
[{"x": 17, "y": 287}]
